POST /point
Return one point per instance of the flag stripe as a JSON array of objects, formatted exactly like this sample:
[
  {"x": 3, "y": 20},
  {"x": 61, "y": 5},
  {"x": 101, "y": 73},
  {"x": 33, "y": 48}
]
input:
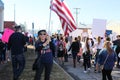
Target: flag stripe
[
  {"x": 65, "y": 27},
  {"x": 63, "y": 17},
  {"x": 66, "y": 18},
  {"x": 61, "y": 14},
  {"x": 65, "y": 10}
]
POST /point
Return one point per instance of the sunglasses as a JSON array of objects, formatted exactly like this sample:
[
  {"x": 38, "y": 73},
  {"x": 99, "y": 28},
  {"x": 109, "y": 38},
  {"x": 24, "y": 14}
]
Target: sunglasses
[{"x": 42, "y": 33}]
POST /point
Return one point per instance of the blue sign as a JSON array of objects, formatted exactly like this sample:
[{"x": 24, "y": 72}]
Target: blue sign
[{"x": 108, "y": 32}]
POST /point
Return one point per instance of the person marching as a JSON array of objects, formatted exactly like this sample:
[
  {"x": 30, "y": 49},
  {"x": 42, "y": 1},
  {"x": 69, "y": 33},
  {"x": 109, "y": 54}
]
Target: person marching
[
  {"x": 80, "y": 51},
  {"x": 61, "y": 50},
  {"x": 43, "y": 47},
  {"x": 99, "y": 46},
  {"x": 16, "y": 45},
  {"x": 116, "y": 44},
  {"x": 86, "y": 56},
  {"x": 67, "y": 45},
  {"x": 107, "y": 58},
  {"x": 75, "y": 49},
  {"x": 2, "y": 52}
]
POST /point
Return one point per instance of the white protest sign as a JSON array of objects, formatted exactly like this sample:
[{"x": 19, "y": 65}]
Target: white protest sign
[
  {"x": 76, "y": 33},
  {"x": 98, "y": 27}
]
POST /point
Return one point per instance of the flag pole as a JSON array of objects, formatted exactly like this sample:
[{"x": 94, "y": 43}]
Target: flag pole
[{"x": 49, "y": 21}]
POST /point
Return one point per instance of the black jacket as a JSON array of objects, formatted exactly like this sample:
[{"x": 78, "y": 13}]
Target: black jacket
[
  {"x": 16, "y": 43},
  {"x": 2, "y": 46},
  {"x": 75, "y": 47}
]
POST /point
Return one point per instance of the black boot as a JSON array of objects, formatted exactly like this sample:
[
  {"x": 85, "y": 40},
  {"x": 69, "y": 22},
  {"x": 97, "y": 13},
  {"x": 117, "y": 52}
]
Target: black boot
[{"x": 74, "y": 63}]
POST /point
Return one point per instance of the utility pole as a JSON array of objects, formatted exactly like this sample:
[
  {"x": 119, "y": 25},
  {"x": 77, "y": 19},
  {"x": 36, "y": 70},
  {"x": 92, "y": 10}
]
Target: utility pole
[
  {"x": 77, "y": 12},
  {"x": 14, "y": 12},
  {"x": 33, "y": 33}
]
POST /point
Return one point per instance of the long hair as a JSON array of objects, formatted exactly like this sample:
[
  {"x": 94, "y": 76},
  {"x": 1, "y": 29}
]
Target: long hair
[
  {"x": 79, "y": 38},
  {"x": 107, "y": 45},
  {"x": 66, "y": 39},
  {"x": 87, "y": 44},
  {"x": 99, "y": 40}
]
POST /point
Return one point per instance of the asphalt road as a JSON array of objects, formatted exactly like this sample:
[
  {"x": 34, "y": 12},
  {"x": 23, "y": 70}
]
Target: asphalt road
[{"x": 78, "y": 74}]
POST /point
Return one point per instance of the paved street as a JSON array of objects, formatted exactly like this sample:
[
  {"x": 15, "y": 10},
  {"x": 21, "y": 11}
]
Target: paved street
[{"x": 78, "y": 74}]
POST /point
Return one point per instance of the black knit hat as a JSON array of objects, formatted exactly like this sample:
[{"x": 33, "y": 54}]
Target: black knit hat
[
  {"x": 17, "y": 28},
  {"x": 39, "y": 32}
]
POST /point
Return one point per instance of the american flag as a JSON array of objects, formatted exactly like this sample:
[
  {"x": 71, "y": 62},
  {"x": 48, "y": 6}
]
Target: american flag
[{"x": 66, "y": 18}]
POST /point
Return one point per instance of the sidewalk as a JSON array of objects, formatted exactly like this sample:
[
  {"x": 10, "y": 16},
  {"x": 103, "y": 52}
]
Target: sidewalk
[{"x": 78, "y": 74}]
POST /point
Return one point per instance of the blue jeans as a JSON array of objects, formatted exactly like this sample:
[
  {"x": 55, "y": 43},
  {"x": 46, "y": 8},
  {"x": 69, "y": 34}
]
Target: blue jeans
[
  {"x": 18, "y": 64},
  {"x": 96, "y": 56}
]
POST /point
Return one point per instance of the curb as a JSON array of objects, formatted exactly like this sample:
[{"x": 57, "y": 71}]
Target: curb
[{"x": 63, "y": 70}]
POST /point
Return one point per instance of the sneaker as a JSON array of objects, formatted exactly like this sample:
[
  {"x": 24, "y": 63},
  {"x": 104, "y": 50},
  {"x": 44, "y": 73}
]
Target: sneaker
[
  {"x": 85, "y": 71},
  {"x": 62, "y": 63},
  {"x": 95, "y": 71},
  {"x": 89, "y": 69},
  {"x": 8, "y": 60}
]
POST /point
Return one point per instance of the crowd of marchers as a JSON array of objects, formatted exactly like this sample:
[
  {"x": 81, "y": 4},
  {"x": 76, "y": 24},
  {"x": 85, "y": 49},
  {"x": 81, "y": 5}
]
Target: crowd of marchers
[{"x": 102, "y": 53}]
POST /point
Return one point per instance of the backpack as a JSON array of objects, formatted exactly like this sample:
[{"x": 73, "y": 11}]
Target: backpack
[
  {"x": 86, "y": 55},
  {"x": 60, "y": 46}
]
